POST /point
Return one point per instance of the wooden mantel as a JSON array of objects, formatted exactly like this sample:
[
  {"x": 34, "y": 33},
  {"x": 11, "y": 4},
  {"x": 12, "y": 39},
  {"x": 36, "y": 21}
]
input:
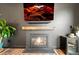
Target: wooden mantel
[{"x": 36, "y": 28}]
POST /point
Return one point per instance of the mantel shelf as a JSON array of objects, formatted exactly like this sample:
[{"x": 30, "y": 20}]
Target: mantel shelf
[{"x": 36, "y": 28}]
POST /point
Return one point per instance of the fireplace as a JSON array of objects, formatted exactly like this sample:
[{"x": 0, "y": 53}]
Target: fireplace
[
  {"x": 38, "y": 41},
  {"x": 38, "y": 38}
]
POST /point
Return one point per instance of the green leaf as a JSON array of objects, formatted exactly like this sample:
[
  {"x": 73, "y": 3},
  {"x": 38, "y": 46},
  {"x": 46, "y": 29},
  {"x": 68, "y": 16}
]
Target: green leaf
[
  {"x": 12, "y": 28},
  {"x": 1, "y": 27},
  {"x": 2, "y": 22}
]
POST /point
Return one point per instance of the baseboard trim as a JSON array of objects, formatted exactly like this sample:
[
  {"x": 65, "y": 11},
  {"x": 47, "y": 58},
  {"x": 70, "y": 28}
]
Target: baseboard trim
[{"x": 18, "y": 46}]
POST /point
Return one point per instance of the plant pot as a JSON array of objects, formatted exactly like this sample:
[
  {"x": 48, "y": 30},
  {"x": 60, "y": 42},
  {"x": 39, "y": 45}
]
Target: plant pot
[
  {"x": 1, "y": 45},
  {"x": 5, "y": 43}
]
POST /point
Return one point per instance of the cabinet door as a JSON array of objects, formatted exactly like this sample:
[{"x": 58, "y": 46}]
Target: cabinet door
[{"x": 71, "y": 46}]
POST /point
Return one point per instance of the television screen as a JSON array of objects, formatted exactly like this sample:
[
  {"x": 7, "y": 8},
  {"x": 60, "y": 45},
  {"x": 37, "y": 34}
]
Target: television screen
[{"x": 38, "y": 11}]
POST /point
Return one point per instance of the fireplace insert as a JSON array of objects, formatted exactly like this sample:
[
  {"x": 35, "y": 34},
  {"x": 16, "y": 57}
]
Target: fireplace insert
[
  {"x": 39, "y": 41},
  {"x": 38, "y": 11}
]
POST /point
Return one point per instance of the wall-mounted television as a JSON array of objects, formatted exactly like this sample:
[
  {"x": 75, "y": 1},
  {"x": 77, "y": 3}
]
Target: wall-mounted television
[{"x": 38, "y": 11}]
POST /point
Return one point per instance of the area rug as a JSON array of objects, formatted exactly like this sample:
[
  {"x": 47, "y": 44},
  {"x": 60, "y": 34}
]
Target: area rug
[{"x": 22, "y": 51}]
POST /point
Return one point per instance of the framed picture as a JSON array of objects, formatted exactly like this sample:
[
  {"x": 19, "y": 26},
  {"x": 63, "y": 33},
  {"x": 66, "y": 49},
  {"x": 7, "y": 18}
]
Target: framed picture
[{"x": 38, "y": 11}]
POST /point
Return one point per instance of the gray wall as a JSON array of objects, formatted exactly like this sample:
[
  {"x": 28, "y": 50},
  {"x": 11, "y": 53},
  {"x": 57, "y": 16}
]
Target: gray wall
[
  {"x": 63, "y": 19},
  {"x": 76, "y": 14},
  {"x": 14, "y": 15}
]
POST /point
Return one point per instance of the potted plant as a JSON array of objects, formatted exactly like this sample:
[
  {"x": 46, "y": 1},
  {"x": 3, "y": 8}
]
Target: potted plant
[{"x": 6, "y": 31}]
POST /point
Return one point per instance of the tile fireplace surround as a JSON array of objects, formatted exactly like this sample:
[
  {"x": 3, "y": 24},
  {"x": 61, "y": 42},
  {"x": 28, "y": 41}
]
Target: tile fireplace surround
[{"x": 42, "y": 32}]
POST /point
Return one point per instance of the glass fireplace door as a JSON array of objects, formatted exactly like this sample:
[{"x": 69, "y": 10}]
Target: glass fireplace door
[{"x": 39, "y": 41}]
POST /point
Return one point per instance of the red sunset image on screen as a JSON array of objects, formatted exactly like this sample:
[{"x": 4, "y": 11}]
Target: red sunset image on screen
[{"x": 38, "y": 11}]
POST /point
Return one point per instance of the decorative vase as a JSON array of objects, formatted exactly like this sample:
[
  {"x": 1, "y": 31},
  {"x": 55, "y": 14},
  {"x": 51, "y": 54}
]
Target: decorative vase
[{"x": 1, "y": 45}]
